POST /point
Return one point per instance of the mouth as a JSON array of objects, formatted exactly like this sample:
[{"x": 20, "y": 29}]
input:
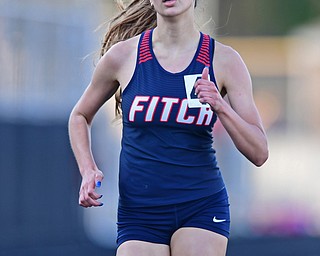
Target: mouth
[{"x": 169, "y": 3}]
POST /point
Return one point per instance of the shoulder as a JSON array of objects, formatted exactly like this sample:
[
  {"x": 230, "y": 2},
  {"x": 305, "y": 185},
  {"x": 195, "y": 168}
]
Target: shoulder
[
  {"x": 226, "y": 56},
  {"x": 118, "y": 57},
  {"x": 121, "y": 51},
  {"x": 123, "y": 48},
  {"x": 229, "y": 65}
]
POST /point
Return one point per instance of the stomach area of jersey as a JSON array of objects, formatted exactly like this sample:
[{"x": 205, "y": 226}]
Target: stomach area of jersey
[
  {"x": 175, "y": 146},
  {"x": 163, "y": 183}
]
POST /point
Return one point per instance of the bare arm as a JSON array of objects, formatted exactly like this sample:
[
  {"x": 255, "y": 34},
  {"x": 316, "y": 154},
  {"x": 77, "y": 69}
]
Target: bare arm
[
  {"x": 241, "y": 118},
  {"x": 102, "y": 86}
]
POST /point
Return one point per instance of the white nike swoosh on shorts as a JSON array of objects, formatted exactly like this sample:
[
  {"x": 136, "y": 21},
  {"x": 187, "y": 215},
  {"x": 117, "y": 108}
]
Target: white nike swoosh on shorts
[{"x": 218, "y": 220}]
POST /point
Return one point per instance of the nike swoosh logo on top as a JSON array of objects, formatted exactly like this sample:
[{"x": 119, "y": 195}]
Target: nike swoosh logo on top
[{"x": 218, "y": 220}]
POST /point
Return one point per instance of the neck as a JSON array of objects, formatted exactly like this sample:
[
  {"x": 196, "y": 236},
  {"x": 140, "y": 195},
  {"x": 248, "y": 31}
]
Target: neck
[{"x": 176, "y": 31}]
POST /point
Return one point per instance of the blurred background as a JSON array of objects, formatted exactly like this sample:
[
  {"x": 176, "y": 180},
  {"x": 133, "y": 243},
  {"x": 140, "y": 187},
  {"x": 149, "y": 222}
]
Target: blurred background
[{"x": 48, "y": 50}]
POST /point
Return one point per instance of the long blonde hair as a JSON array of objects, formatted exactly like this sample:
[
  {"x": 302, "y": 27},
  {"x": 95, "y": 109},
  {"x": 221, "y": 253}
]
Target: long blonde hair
[{"x": 133, "y": 19}]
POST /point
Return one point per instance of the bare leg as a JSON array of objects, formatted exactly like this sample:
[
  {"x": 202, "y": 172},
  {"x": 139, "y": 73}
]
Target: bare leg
[
  {"x": 196, "y": 241},
  {"x": 134, "y": 248}
]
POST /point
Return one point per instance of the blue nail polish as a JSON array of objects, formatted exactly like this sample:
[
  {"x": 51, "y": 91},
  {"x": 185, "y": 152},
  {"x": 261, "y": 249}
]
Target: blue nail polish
[
  {"x": 101, "y": 204},
  {"x": 98, "y": 184}
]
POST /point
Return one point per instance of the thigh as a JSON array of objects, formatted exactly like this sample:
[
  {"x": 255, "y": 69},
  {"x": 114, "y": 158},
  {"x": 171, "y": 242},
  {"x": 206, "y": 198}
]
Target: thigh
[
  {"x": 197, "y": 241},
  {"x": 134, "y": 248}
]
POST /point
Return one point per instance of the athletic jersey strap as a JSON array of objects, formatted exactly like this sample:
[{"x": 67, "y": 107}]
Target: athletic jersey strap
[
  {"x": 144, "y": 49},
  {"x": 204, "y": 54}
]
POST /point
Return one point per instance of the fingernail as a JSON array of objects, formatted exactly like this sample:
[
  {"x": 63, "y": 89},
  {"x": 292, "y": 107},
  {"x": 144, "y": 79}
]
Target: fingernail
[
  {"x": 207, "y": 67},
  {"x": 100, "y": 196},
  {"x": 98, "y": 184},
  {"x": 101, "y": 204}
]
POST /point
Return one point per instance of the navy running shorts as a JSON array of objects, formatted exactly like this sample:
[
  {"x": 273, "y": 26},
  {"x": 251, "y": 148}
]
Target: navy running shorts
[{"x": 158, "y": 224}]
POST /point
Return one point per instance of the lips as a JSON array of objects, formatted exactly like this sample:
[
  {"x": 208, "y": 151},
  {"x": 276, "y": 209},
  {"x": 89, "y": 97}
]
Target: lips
[{"x": 168, "y": 1}]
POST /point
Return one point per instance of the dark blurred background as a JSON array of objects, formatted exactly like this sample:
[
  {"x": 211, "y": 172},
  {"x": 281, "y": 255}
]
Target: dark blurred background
[{"x": 47, "y": 54}]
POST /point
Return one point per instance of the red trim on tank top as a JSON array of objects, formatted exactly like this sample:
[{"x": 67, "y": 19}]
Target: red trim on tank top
[
  {"x": 144, "y": 51},
  {"x": 204, "y": 54}
]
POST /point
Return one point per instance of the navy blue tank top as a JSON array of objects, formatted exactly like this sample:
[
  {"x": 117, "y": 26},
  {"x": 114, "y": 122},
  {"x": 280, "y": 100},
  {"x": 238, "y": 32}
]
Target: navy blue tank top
[{"x": 166, "y": 149}]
